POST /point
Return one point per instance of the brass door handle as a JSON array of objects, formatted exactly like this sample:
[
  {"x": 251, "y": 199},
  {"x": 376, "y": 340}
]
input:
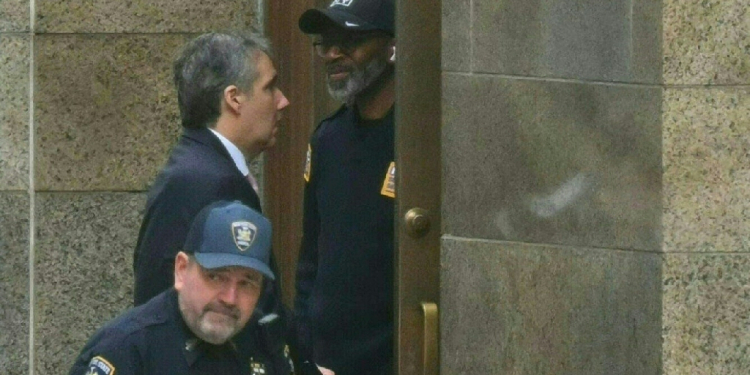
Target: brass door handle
[
  {"x": 417, "y": 222},
  {"x": 430, "y": 359}
]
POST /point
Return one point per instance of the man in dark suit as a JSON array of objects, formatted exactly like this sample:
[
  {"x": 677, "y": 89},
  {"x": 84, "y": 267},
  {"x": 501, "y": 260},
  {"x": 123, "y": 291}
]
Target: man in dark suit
[{"x": 230, "y": 107}]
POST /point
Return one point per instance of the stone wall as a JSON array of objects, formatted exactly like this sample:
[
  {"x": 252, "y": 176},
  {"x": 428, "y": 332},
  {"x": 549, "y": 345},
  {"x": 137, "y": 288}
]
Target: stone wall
[
  {"x": 87, "y": 116},
  {"x": 595, "y": 209}
]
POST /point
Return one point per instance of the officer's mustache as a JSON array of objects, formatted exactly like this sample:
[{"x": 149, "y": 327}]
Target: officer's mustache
[{"x": 220, "y": 308}]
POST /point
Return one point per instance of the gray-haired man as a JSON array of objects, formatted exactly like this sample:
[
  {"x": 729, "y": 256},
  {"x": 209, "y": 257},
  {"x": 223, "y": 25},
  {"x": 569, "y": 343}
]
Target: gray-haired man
[{"x": 230, "y": 106}]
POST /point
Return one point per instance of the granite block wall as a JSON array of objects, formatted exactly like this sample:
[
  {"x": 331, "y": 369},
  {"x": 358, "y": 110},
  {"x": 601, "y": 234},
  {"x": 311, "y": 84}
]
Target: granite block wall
[
  {"x": 583, "y": 139},
  {"x": 14, "y": 282},
  {"x": 87, "y": 117},
  {"x": 552, "y": 185},
  {"x": 706, "y": 138},
  {"x": 14, "y": 111},
  {"x": 515, "y": 308},
  {"x": 15, "y": 217}
]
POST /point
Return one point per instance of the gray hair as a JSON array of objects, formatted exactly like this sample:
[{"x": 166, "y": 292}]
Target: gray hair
[{"x": 210, "y": 63}]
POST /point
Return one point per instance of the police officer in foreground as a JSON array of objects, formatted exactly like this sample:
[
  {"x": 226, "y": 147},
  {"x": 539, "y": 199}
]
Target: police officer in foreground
[
  {"x": 190, "y": 328},
  {"x": 344, "y": 302}
]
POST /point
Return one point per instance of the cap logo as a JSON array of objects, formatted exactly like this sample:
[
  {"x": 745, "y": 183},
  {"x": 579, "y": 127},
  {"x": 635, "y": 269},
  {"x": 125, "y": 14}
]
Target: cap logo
[
  {"x": 244, "y": 234},
  {"x": 344, "y": 3}
]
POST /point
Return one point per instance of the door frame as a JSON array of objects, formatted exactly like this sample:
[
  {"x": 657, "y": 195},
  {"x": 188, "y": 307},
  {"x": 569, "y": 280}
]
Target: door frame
[
  {"x": 302, "y": 81},
  {"x": 419, "y": 187}
]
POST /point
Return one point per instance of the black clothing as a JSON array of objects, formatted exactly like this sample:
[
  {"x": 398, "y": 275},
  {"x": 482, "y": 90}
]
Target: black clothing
[
  {"x": 199, "y": 171},
  {"x": 154, "y": 339},
  {"x": 344, "y": 303}
]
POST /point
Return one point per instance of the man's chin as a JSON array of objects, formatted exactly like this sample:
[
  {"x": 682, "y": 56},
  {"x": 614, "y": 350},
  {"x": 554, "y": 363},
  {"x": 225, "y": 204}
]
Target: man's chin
[
  {"x": 216, "y": 333},
  {"x": 342, "y": 95},
  {"x": 214, "y": 319}
]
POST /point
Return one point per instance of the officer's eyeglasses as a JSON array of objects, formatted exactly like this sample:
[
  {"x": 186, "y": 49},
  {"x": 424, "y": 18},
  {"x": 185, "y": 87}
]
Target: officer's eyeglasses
[{"x": 346, "y": 44}]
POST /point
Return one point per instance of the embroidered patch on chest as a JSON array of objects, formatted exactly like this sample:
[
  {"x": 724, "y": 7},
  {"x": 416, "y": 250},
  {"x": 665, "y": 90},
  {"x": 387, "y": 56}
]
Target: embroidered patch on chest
[
  {"x": 100, "y": 366},
  {"x": 389, "y": 183}
]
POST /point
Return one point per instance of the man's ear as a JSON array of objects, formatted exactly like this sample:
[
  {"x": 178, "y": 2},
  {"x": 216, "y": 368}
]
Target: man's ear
[
  {"x": 181, "y": 263},
  {"x": 231, "y": 98}
]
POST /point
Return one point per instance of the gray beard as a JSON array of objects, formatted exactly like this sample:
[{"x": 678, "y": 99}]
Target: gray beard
[
  {"x": 347, "y": 90},
  {"x": 204, "y": 330}
]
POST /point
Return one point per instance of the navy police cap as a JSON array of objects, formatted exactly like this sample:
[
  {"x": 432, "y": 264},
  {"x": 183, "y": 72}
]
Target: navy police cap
[{"x": 230, "y": 234}]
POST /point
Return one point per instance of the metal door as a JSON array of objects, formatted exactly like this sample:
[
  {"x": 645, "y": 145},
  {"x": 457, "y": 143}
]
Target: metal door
[{"x": 418, "y": 167}]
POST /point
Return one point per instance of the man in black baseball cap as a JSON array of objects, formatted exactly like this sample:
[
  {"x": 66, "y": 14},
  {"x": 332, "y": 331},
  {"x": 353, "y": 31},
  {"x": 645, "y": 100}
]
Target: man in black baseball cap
[
  {"x": 344, "y": 301},
  {"x": 191, "y": 328}
]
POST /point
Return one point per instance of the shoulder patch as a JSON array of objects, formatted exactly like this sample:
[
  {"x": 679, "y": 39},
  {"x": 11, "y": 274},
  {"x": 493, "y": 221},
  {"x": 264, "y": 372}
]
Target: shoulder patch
[
  {"x": 308, "y": 163},
  {"x": 389, "y": 183},
  {"x": 100, "y": 366}
]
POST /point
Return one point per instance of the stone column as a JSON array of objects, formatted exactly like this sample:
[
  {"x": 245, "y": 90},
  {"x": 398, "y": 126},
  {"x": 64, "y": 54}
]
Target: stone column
[
  {"x": 15, "y": 54},
  {"x": 595, "y": 187},
  {"x": 706, "y": 198}
]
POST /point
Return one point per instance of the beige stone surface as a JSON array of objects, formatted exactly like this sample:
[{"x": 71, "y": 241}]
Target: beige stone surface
[
  {"x": 706, "y": 314},
  {"x": 611, "y": 41},
  {"x": 706, "y": 142},
  {"x": 83, "y": 269},
  {"x": 14, "y": 283},
  {"x": 512, "y": 308},
  {"x": 14, "y": 111},
  {"x": 706, "y": 42},
  {"x": 143, "y": 16},
  {"x": 14, "y": 16},
  {"x": 106, "y": 111},
  {"x": 552, "y": 162},
  {"x": 456, "y": 35}
]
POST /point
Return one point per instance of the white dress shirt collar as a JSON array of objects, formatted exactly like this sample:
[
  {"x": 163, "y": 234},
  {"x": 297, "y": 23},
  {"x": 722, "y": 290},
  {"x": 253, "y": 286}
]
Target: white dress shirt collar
[{"x": 234, "y": 152}]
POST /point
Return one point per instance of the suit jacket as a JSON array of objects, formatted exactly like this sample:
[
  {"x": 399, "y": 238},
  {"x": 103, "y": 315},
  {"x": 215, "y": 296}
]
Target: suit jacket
[{"x": 199, "y": 171}]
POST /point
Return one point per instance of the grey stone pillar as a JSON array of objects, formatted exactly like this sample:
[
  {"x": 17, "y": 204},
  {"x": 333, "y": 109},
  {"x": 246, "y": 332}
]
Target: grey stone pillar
[{"x": 595, "y": 188}]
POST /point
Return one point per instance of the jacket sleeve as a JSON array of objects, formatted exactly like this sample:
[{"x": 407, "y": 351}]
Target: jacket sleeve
[
  {"x": 161, "y": 236},
  {"x": 307, "y": 267}
]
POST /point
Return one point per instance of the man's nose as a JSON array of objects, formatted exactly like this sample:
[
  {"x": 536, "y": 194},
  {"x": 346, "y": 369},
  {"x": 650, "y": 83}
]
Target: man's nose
[
  {"x": 332, "y": 53},
  {"x": 284, "y": 102},
  {"x": 228, "y": 294}
]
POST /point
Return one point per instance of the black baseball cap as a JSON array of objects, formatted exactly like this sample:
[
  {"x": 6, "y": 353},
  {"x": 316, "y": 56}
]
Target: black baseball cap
[
  {"x": 226, "y": 234},
  {"x": 354, "y": 15}
]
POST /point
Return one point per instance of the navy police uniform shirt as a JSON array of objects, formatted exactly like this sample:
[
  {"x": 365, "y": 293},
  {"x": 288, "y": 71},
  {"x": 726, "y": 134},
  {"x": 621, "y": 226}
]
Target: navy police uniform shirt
[
  {"x": 154, "y": 339},
  {"x": 344, "y": 302}
]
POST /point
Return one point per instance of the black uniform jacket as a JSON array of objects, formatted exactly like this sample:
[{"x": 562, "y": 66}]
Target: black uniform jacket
[
  {"x": 199, "y": 171},
  {"x": 344, "y": 302},
  {"x": 153, "y": 339}
]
